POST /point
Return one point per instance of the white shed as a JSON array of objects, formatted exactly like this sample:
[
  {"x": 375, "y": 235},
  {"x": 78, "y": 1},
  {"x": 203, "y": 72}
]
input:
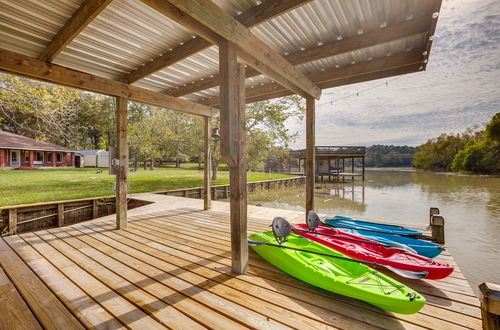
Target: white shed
[{"x": 95, "y": 158}]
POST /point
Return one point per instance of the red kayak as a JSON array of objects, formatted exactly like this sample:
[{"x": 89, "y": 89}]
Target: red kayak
[{"x": 358, "y": 247}]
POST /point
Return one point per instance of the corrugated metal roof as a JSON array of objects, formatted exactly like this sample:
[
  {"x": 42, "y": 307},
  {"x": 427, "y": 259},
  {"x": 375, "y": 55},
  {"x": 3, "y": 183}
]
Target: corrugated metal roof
[{"x": 128, "y": 34}]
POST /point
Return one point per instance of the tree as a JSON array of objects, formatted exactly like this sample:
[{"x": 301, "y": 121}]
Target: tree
[
  {"x": 481, "y": 155},
  {"x": 266, "y": 129}
]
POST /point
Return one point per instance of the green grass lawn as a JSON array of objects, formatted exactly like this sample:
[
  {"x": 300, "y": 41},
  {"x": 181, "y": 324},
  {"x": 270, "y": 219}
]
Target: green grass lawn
[{"x": 24, "y": 187}]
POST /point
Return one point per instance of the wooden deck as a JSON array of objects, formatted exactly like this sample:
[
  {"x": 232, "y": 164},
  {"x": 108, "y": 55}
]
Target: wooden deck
[{"x": 171, "y": 269}]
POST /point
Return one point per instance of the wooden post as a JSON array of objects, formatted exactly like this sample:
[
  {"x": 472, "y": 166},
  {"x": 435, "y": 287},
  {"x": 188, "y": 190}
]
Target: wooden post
[
  {"x": 60, "y": 215},
  {"x": 95, "y": 209},
  {"x": 122, "y": 168},
  {"x": 437, "y": 227},
  {"x": 207, "y": 201},
  {"x": 490, "y": 305},
  {"x": 233, "y": 149},
  {"x": 363, "y": 162},
  {"x": 311, "y": 153},
  {"x": 432, "y": 211},
  {"x": 352, "y": 168},
  {"x": 12, "y": 221}
]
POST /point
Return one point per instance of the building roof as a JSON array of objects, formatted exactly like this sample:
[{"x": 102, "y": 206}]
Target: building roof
[
  {"x": 15, "y": 141},
  {"x": 332, "y": 42},
  {"x": 93, "y": 152}
]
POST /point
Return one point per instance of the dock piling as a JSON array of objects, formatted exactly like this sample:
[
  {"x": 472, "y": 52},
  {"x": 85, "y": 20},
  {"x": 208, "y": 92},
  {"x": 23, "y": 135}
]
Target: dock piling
[
  {"x": 490, "y": 305},
  {"x": 437, "y": 227}
]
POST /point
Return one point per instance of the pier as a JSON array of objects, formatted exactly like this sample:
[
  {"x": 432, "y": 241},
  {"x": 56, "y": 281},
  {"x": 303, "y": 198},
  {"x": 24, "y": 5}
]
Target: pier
[
  {"x": 336, "y": 163},
  {"x": 171, "y": 267}
]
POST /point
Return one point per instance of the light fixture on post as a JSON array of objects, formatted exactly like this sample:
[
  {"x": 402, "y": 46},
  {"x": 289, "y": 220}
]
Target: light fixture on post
[{"x": 215, "y": 134}]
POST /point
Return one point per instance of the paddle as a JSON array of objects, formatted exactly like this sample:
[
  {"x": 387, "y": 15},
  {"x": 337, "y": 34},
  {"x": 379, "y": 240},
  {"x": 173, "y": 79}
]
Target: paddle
[
  {"x": 341, "y": 218},
  {"x": 400, "y": 272},
  {"x": 430, "y": 238},
  {"x": 313, "y": 221},
  {"x": 392, "y": 246}
]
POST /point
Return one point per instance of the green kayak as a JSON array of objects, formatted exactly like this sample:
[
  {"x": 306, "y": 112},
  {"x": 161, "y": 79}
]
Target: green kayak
[{"x": 344, "y": 277}]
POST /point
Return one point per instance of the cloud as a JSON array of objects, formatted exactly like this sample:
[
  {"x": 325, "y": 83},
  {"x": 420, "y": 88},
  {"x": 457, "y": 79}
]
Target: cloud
[{"x": 459, "y": 89}]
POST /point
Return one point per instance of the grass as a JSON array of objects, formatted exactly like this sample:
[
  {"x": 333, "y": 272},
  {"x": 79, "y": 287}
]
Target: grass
[{"x": 25, "y": 187}]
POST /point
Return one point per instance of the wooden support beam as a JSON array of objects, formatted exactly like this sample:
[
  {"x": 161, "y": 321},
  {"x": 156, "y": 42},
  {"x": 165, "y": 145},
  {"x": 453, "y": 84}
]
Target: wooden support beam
[
  {"x": 33, "y": 68},
  {"x": 327, "y": 78},
  {"x": 233, "y": 149},
  {"x": 311, "y": 153},
  {"x": 253, "y": 16},
  {"x": 251, "y": 49},
  {"x": 122, "y": 167},
  {"x": 207, "y": 177},
  {"x": 490, "y": 305},
  {"x": 80, "y": 19},
  {"x": 404, "y": 29}
]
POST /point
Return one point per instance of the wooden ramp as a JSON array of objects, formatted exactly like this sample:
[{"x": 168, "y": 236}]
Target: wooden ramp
[{"x": 171, "y": 269}]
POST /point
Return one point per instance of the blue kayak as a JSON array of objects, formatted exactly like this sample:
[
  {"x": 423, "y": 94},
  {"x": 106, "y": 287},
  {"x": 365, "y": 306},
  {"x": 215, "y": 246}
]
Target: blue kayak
[
  {"x": 346, "y": 222},
  {"x": 423, "y": 248}
]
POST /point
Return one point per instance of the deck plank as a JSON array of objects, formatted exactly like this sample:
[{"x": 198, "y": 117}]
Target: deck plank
[
  {"x": 15, "y": 314},
  {"x": 219, "y": 253},
  {"x": 172, "y": 268},
  {"x": 83, "y": 307},
  {"x": 47, "y": 308}
]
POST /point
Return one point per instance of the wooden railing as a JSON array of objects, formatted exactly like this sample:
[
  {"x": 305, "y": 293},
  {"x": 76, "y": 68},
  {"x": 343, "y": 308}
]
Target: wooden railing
[
  {"x": 21, "y": 218},
  {"x": 222, "y": 191}
]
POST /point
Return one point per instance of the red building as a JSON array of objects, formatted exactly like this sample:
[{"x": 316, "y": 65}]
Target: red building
[{"x": 18, "y": 151}]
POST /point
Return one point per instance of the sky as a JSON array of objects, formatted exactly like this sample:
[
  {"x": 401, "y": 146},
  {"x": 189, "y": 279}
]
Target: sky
[{"x": 459, "y": 89}]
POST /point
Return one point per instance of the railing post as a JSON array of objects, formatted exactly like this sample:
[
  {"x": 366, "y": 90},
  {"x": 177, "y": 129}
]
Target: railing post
[
  {"x": 490, "y": 305},
  {"x": 95, "y": 210},
  {"x": 60, "y": 215},
  {"x": 437, "y": 227},
  {"x": 12, "y": 221}
]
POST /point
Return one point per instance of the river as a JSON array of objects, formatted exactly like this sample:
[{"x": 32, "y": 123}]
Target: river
[{"x": 470, "y": 205}]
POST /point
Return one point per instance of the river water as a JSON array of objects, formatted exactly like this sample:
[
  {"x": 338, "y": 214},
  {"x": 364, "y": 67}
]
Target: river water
[{"x": 470, "y": 205}]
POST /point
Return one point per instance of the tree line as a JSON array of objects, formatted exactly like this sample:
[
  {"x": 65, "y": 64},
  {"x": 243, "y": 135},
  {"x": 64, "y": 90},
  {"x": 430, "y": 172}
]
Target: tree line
[
  {"x": 389, "y": 155},
  {"x": 472, "y": 151},
  {"x": 83, "y": 120}
]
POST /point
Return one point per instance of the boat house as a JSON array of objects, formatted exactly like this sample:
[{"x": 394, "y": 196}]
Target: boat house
[
  {"x": 331, "y": 162},
  {"x": 17, "y": 151}
]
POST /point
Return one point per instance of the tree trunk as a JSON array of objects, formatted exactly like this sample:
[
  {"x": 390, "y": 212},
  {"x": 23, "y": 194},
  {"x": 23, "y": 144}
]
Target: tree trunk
[
  {"x": 151, "y": 164},
  {"x": 215, "y": 169},
  {"x": 145, "y": 165},
  {"x": 177, "y": 163},
  {"x": 136, "y": 164}
]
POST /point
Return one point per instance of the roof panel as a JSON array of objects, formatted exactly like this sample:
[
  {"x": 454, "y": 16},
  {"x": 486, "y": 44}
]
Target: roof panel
[
  {"x": 27, "y": 26},
  {"x": 128, "y": 34}
]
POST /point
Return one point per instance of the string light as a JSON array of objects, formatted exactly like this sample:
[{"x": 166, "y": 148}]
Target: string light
[{"x": 386, "y": 83}]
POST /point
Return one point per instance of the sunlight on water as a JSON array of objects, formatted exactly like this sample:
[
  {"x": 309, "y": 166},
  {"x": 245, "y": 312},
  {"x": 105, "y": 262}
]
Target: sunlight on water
[{"x": 470, "y": 205}]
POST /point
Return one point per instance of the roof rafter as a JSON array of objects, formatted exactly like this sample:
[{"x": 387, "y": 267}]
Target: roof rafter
[
  {"x": 324, "y": 79},
  {"x": 252, "y": 50},
  {"x": 253, "y": 16},
  {"x": 397, "y": 31},
  {"x": 15, "y": 63},
  {"x": 80, "y": 19}
]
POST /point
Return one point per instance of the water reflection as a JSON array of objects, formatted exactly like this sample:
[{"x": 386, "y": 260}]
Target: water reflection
[{"x": 470, "y": 205}]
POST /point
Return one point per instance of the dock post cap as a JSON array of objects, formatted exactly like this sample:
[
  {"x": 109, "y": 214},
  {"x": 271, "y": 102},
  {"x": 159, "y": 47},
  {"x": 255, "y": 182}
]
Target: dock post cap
[
  {"x": 433, "y": 211},
  {"x": 437, "y": 220},
  {"x": 490, "y": 297}
]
